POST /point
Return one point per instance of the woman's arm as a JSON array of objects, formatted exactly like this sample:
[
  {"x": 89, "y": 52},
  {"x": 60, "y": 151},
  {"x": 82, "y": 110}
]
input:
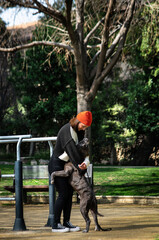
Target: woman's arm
[{"x": 73, "y": 153}]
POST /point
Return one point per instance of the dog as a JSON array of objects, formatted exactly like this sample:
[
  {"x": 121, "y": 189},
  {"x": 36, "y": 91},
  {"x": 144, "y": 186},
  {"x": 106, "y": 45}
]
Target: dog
[{"x": 80, "y": 184}]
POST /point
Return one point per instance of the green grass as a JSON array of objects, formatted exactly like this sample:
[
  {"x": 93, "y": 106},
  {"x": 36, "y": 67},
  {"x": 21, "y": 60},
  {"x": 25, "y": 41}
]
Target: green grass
[
  {"x": 9, "y": 169},
  {"x": 107, "y": 181},
  {"x": 6, "y": 169},
  {"x": 127, "y": 181}
]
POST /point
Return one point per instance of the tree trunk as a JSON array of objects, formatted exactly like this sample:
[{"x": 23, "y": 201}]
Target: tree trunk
[
  {"x": 32, "y": 149},
  {"x": 113, "y": 157},
  {"x": 82, "y": 104},
  {"x": 144, "y": 151},
  {"x": 7, "y": 148}
]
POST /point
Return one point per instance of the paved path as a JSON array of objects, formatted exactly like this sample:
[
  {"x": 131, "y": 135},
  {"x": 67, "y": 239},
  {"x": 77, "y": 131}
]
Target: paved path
[{"x": 127, "y": 222}]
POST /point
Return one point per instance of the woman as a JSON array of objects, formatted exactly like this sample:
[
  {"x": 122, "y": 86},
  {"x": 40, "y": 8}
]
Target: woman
[{"x": 65, "y": 150}]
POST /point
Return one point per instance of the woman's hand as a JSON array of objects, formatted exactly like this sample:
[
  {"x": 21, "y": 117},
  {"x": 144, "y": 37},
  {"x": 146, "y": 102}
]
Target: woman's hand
[{"x": 82, "y": 166}]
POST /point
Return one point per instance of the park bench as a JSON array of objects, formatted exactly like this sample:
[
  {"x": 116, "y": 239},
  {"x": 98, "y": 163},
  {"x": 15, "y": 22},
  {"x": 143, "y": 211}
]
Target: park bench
[
  {"x": 39, "y": 172},
  {"x": 32, "y": 172}
]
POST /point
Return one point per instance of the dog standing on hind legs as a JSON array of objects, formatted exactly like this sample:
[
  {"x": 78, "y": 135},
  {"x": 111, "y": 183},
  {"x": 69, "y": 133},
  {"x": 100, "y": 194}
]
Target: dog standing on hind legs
[{"x": 80, "y": 184}]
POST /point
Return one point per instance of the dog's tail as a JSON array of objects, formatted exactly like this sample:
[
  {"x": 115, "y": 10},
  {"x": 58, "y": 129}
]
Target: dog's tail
[
  {"x": 98, "y": 227},
  {"x": 99, "y": 214},
  {"x": 103, "y": 229}
]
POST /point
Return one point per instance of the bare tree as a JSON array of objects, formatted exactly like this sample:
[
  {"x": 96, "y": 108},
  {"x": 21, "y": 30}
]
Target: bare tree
[{"x": 96, "y": 44}]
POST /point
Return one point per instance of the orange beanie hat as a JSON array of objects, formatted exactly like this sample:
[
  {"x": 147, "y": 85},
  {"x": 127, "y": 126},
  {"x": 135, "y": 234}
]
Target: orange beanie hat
[{"x": 85, "y": 117}]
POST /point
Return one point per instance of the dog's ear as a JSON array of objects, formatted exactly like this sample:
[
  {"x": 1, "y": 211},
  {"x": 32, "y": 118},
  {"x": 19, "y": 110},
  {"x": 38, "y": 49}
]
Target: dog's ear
[
  {"x": 85, "y": 141},
  {"x": 83, "y": 144}
]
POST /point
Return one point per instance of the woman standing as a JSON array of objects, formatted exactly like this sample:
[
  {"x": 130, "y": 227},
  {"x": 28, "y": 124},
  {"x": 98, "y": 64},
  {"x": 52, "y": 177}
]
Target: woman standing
[{"x": 65, "y": 150}]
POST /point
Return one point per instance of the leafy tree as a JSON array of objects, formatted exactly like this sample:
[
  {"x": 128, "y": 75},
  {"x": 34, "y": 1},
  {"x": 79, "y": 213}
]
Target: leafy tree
[
  {"x": 143, "y": 97},
  {"x": 95, "y": 41},
  {"x": 130, "y": 110},
  {"x": 110, "y": 126},
  {"x": 46, "y": 91},
  {"x": 96, "y": 45},
  {"x": 142, "y": 111}
]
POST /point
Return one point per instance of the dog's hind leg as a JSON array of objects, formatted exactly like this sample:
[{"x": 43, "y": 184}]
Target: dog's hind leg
[
  {"x": 97, "y": 226},
  {"x": 84, "y": 213},
  {"x": 94, "y": 212},
  {"x": 88, "y": 221}
]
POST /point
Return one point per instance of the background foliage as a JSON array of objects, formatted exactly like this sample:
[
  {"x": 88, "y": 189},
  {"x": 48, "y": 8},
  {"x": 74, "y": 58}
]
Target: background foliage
[
  {"x": 45, "y": 90},
  {"x": 125, "y": 108}
]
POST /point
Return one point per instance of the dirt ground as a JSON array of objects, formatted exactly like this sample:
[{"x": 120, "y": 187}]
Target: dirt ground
[{"x": 139, "y": 222}]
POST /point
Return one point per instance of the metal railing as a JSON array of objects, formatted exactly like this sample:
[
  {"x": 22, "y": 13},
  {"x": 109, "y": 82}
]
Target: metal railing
[
  {"x": 19, "y": 224},
  {"x": 7, "y": 176}
]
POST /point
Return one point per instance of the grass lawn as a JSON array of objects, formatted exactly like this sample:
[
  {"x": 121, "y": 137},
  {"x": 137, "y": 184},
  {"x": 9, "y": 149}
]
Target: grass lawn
[{"x": 139, "y": 181}]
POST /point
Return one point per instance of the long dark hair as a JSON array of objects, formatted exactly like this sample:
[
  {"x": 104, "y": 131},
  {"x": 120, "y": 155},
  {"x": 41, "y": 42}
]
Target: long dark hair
[{"x": 74, "y": 123}]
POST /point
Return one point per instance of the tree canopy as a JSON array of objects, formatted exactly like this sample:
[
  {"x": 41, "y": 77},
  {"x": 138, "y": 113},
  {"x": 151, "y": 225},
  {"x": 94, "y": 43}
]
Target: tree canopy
[
  {"x": 45, "y": 92},
  {"x": 125, "y": 109},
  {"x": 94, "y": 32}
]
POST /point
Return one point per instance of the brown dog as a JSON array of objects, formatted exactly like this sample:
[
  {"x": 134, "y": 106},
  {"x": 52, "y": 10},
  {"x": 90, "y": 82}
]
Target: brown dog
[{"x": 80, "y": 184}]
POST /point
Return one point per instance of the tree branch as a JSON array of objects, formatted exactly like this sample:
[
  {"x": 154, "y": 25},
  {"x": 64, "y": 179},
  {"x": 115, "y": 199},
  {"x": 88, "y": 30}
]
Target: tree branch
[
  {"x": 92, "y": 31},
  {"x": 105, "y": 39},
  {"x": 98, "y": 79},
  {"x": 54, "y": 27},
  {"x": 72, "y": 34},
  {"x": 69, "y": 27},
  {"x": 80, "y": 18},
  {"x": 57, "y": 15},
  {"x": 48, "y": 4},
  {"x": 20, "y": 3},
  {"x": 109, "y": 52},
  {"x": 36, "y": 43},
  {"x": 34, "y": 4},
  {"x": 68, "y": 10}
]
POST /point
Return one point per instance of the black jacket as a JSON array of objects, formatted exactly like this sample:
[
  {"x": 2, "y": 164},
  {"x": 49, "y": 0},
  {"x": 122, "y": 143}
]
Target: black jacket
[{"x": 66, "y": 143}]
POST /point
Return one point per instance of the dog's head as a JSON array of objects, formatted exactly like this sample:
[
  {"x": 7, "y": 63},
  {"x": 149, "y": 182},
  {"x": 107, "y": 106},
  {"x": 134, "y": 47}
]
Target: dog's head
[{"x": 83, "y": 147}]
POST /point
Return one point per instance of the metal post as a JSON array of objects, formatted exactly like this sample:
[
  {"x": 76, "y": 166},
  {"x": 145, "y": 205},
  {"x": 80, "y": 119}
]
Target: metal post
[
  {"x": 52, "y": 195},
  {"x": 19, "y": 224},
  {"x": 51, "y": 204}
]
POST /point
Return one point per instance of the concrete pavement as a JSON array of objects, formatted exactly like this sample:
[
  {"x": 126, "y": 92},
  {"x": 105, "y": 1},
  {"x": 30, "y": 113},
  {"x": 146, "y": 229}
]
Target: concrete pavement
[{"x": 137, "y": 222}]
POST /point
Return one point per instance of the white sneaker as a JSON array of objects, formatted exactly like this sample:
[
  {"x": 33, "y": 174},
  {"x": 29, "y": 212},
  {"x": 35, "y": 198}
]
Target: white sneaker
[
  {"x": 75, "y": 229},
  {"x": 60, "y": 228},
  {"x": 71, "y": 227}
]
